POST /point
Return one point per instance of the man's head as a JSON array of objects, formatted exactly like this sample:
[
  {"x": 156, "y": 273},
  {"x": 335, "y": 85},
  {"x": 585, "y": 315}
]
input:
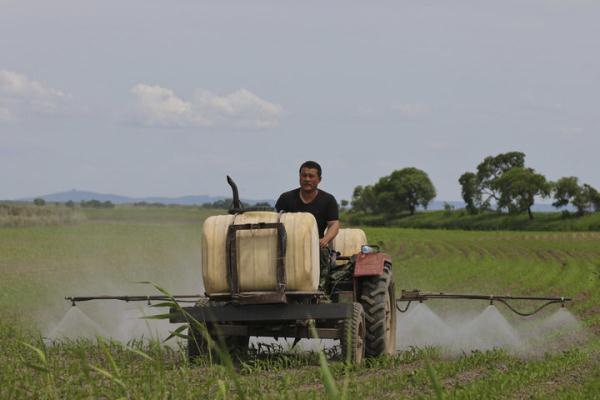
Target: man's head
[{"x": 310, "y": 176}]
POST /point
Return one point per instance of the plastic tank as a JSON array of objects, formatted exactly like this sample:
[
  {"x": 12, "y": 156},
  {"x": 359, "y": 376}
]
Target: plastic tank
[
  {"x": 257, "y": 252},
  {"x": 348, "y": 241}
]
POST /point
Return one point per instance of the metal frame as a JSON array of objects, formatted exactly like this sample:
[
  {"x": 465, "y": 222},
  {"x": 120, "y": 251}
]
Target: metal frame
[
  {"x": 269, "y": 313},
  {"x": 278, "y": 296}
]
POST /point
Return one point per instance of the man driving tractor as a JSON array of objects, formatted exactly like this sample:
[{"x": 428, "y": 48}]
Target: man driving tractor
[{"x": 322, "y": 205}]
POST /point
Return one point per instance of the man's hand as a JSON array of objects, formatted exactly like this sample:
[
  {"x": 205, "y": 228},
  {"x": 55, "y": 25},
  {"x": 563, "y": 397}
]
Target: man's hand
[{"x": 333, "y": 228}]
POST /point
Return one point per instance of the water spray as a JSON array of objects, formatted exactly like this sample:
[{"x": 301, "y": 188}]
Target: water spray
[{"x": 417, "y": 295}]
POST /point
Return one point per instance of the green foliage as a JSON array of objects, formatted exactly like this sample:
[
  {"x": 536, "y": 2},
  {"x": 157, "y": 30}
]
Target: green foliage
[
  {"x": 567, "y": 191},
  {"x": 364, "y": 199},
  {"x": 448, "y": 208},
  {"x": 39, "y": 201},
  {"x": 344, "y": 205},
  {"x": 96, "y": 204},
  {"x": 489, "y": 220},
  {"x": 402, "y": 190},
  {"x": 224, "y": 204},
  {"x": 518, "y": 188},
  {"x": 470, "y": 192},
  {"x": 479, "y": 189},
  {"x": 492, "y": 168}
]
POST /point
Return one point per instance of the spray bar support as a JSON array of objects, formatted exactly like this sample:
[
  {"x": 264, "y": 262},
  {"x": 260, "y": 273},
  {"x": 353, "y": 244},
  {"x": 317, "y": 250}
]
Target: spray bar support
[
  {"x": 416, "y": 295},
  {"x": 192, "y": 298}
]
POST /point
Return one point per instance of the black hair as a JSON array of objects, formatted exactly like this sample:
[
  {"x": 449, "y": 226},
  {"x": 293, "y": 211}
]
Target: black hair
[{"x": 311, "y": 164}]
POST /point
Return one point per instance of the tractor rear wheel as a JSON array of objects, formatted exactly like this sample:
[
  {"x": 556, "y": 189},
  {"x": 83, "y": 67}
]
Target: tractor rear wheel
[
  {"x": 378, "y": 298},
  {"x": 353, "y": 336}
]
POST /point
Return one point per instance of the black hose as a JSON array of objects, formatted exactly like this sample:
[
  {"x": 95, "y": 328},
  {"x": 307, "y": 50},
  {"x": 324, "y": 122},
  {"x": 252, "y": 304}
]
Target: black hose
[
  {"x": 527, "y": 314},
  {"x": 406, "y": 309}
]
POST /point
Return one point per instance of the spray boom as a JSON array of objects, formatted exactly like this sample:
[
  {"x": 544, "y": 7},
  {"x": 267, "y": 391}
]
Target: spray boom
[
  {"x": 416, "y": 295},
  {"x": 184, "y": 298}
]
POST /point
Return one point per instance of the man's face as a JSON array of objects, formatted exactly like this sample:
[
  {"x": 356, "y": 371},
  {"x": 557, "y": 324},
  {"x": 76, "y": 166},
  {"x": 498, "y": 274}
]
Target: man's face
[{"x": 309, "y": 179}]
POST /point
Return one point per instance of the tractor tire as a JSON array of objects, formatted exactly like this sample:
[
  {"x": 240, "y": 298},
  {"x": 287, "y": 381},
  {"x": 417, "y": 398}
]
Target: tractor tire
[
  {"x": 352, "y": 336},
  {"x": 378, "y": 298}
]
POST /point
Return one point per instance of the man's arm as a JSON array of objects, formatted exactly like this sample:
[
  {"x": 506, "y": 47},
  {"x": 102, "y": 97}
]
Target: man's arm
[{"x": 333, "y": 228}]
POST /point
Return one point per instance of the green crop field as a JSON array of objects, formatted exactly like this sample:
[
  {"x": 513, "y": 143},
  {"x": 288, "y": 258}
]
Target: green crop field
[{"x": 111, "y": 249}]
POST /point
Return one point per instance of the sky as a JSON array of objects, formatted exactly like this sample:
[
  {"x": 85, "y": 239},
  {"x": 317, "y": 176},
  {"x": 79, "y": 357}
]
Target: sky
[{"x": 161, "y": 98}]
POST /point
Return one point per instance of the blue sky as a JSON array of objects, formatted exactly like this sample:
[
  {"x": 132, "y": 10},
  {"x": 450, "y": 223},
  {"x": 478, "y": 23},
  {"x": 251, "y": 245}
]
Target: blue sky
[{"x": 165, "y": 98}]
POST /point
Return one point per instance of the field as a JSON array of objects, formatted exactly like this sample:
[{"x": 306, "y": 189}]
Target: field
[{"x": 110, "y": 249}]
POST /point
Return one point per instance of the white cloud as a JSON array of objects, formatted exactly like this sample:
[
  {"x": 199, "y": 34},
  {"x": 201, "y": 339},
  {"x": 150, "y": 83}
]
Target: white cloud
[
  {"x": 20, "y": 95},
  {"x": 158, "y": 106},
  {"x": 410, "y": 110}
]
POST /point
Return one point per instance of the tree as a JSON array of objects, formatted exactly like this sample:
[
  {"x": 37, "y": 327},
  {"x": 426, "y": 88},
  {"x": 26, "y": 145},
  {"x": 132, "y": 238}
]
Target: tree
[
  {"x": 565, "y": 189},
  {"x": 470, "y": 192},
  {"x": 70, "y": 204},
  {"x": 518, "y": 188},
  {"x": 594, "y": 197},
  {"x": 363, "y": 199},
  {"x": 583, "y": 198},
  {"x": 38, "y": 201},
  {"x": 587, "y": 198},
  {"x": 404, "y": 189},
  {"x": 343, "y": 204},
  {"x": 491, "y": 169},
  {"x": 478, "y": 189}
]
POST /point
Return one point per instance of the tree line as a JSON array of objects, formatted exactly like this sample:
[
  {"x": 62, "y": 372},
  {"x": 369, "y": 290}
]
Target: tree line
[{"x": 502, "y": 183}]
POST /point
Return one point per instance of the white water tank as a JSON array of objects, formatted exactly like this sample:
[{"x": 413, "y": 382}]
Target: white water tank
[
  {"x": 256, "y": 252},
  {"x": 349, "y": 240}
]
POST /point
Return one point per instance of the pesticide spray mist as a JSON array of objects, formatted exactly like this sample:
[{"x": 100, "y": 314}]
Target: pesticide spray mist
[
  {"x": 178, "y": 273},
  {"x": 460, "y": 333}
]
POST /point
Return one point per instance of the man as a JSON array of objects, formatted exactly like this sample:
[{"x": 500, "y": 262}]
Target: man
[{"x": 309, "y": 198}]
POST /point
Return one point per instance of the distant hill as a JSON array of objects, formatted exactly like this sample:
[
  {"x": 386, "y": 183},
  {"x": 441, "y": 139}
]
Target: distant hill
[{"x": 80, "y": 195}]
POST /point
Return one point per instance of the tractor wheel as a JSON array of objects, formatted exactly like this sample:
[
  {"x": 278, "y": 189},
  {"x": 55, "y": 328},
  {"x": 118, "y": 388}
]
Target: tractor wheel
[
  {"x": 378, "y": 298},
  {"x": 353, "y": 336}
]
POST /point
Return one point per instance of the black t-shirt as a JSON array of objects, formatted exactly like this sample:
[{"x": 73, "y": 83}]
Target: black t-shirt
[{"x": 324, "y": 207}]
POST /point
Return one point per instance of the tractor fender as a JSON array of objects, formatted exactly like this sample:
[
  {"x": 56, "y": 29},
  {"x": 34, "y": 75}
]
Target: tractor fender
[{"x": 370, "y": 264}]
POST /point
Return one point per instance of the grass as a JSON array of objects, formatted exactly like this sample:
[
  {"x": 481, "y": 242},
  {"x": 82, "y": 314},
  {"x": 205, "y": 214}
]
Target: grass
[
  {"x": 41, "y": 264},
  {"x": 20, "y": 214},
  {"x": 460, "y": 219}
]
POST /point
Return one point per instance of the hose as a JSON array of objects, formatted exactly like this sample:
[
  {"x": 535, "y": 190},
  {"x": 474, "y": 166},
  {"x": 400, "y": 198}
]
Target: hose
[{"x": 527, "y": 314}]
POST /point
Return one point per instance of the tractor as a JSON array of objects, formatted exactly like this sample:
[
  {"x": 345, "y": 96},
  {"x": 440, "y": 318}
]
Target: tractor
[
  {"x": 356, "y": 306},
  {"x": 261, "y": 276}
]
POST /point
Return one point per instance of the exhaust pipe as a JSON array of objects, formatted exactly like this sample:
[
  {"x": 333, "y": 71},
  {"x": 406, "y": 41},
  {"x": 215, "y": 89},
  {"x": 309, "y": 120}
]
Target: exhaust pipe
[{"x": 236, "y": 204}]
